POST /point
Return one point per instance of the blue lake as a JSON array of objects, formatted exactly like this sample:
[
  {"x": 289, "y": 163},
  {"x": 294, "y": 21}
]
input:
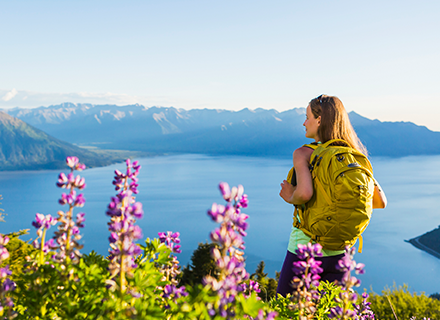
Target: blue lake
[{"x": 176, "y": 192}]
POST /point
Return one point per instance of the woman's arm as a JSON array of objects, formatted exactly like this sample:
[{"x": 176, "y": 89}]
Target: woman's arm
[
  {"x": 379, "y": 198},
  {"x": 304, "y": 189}
]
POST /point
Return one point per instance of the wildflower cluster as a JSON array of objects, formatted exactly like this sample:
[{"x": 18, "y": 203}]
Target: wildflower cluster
[
  {"x": 347, "y": 298},
  {"x": 6, "y": 284},
  {"x": 306, "y": 281},
  {"x": 228, "y": 254},
  {"x": 172, "y": 270},
  {"x": 123, "y": 212},
  {"x": 247, "y": 289},
  {"x": 67, "y": 237},
  {"x": 42, "y": 223},
  {"x": 363, "y": 310}
]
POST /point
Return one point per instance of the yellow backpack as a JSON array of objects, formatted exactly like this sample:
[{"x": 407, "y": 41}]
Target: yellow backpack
[{"x": 342, "y": 202}]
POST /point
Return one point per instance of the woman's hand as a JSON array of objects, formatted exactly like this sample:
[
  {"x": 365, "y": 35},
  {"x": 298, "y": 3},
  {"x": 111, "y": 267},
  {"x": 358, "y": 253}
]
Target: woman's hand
[{"x": 287, "y": 191}]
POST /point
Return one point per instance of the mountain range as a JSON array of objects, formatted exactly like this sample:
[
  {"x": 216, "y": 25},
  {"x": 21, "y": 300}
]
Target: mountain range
[{"x": 161, "y": 130}]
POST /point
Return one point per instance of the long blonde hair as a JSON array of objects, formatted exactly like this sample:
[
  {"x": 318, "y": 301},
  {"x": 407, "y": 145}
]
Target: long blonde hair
[{"x": 335, "y": 123}]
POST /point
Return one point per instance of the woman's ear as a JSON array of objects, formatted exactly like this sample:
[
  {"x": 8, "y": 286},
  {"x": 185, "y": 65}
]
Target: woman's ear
[{"x": 319, "y": 120}]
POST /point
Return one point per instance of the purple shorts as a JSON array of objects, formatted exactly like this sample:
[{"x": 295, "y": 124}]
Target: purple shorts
[{"x": 330, "y": 272}]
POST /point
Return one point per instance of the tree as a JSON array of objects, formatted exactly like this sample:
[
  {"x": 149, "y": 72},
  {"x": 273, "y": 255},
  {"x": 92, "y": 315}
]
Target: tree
[
  {"x": 202, "y": 264},
  {"x": 268, "y": 286}
]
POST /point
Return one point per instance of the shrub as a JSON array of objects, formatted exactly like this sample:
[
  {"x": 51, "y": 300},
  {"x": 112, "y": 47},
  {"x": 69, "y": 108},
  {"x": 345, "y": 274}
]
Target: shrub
[{"x": 404, "y": 303}]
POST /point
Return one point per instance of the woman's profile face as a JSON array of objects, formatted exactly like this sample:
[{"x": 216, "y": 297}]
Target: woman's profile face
[{"x": 312, "y": 124}]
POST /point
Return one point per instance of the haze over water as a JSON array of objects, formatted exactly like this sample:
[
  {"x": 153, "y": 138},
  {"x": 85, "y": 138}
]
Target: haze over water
[{"x": 176, "y": 192}]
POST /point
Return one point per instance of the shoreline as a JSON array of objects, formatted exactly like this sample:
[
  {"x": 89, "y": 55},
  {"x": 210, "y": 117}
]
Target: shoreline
[{"x": 428, "y": 242}]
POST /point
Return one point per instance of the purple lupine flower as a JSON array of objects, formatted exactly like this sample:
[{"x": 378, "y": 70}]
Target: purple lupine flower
[
  {"x": 80, "y": 219},
  {"x": 136, "y": 210},
  {"x": 67, "y": 237},
  {"x": 299, "y": 267},
  {"x": 307, "y": 277},
  {"x": 5, "y": 272},
  {"x": 171, "y": 291},
  {"x": 217, "y": 212},
  {"x": 62, "y": 180},
  {"x": 348, "y": 297},
  {"x": 4, "y": 240},
  {"x": 171, "y": 240},
  {"x": 269, "y": 316},
  {"x": 4, "y": 253},
  {"x": 113, "y": 237},
  {"x": 171, "y": 271},
  {"x": 114, "y": 207},
  {"x": 253, "y": 286},
  {"x": 310, "y": 270},
  {"x": 225, "y": 190},
  {"x": 339, "y": 313},
  {"x": 347, "y": 264},
  {"x": 79, "y": 201},
  {"x": 49, "y": 245},
  {"x": 308, "y": 250},
  {"x": 6, "y": 284},
  {"x": 228, "y": 256},
  {"x": 70, "y": 181},
  {"x": 311, "y": 280},
  {"x": 243, "y": 201},
  {"x": 314, "y": 266},
  {"x": 359, "y": 269},
  {"x": 123, "y": 212},
  {"x": 72, "y": 161},
  {"x": 42, "y": 221},
  {"x": 74, "y": 164},
  {"x": 363, "y": 310}
]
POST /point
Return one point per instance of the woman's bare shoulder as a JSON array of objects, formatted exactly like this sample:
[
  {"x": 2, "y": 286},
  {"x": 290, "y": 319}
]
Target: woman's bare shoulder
[{"x": 303, "y": 152}]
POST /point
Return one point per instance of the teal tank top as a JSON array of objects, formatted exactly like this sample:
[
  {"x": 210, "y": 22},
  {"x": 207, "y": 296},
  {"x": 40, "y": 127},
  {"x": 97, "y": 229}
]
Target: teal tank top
[{"x": 299, "y": 237}]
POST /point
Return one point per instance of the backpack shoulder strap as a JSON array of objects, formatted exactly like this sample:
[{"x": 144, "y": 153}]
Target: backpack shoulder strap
[
  {"x": 291, "y": 176},
  {"x": 325, "y": 145}
]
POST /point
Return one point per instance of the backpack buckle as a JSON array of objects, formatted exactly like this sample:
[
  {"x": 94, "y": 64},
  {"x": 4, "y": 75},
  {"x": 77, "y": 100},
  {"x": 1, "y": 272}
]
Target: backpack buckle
[
  {"x": 312, "y": 164},
  {"x": 354, "y": 165}
]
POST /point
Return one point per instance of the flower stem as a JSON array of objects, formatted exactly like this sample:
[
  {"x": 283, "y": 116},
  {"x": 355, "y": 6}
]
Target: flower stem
[
  {"x": 69, "y": 230},
  {"x": 43, "y": 237}
]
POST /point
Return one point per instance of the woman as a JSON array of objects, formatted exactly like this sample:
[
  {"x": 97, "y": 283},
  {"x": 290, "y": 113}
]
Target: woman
[{"x": 326, "y": 119}]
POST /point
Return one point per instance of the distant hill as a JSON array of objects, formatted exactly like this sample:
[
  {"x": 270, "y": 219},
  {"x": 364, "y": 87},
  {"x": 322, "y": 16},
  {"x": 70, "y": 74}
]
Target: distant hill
[
  {"x": 246, "y": 132},
  {"x": 23, "y": 147},
  {"x": 395, "y": 139},
  {"x": 428, "y": 242}
]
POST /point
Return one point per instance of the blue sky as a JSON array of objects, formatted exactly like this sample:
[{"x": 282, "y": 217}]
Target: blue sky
[{"x": 382, "y": 58}]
